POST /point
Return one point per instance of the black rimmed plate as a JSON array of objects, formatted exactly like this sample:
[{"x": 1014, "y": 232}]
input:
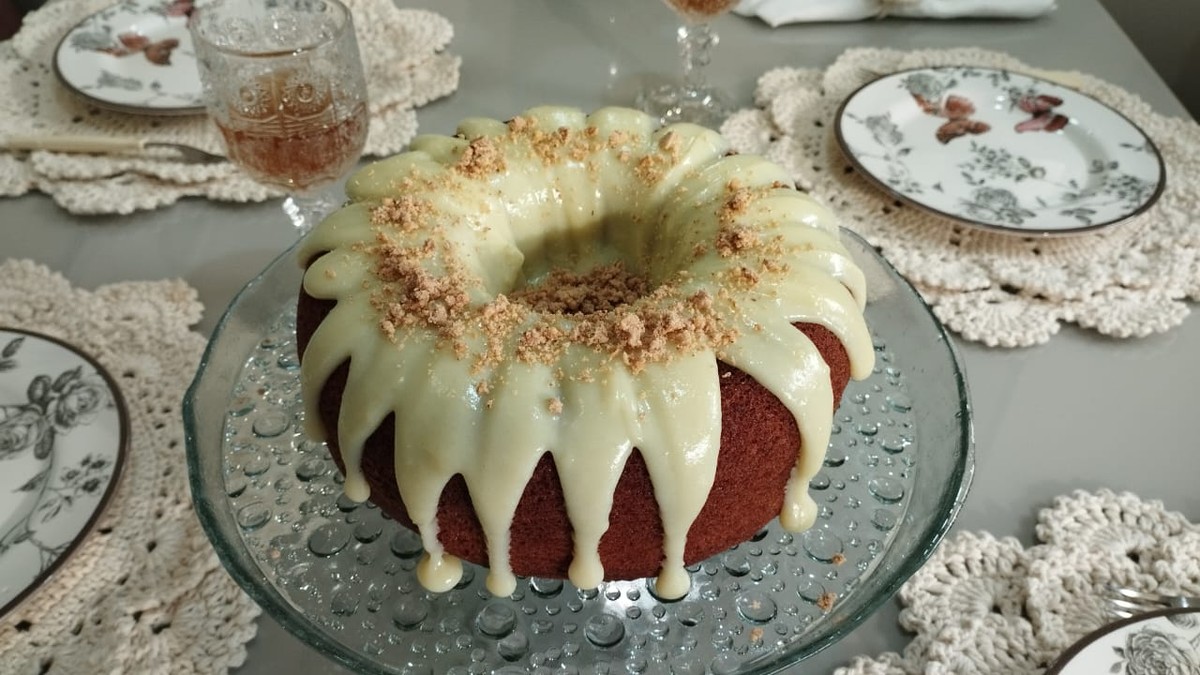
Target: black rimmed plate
[
  {"x": 63, "y": 436},
  {"x": 1165, "y": 641},
  {"x": 134, "y": 57},
  {"x": 1000, "y": 150}
]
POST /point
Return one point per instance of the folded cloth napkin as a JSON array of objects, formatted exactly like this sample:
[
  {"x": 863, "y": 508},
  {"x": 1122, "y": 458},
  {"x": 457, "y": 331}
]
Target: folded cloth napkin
[{"x": 779, "y": 12}]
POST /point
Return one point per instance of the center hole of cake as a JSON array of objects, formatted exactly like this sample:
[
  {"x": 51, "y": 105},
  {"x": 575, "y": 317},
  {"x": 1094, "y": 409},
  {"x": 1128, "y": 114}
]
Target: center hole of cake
[
  {"x": 577, "y": 272},
  {"x": 600, "y": 289}
]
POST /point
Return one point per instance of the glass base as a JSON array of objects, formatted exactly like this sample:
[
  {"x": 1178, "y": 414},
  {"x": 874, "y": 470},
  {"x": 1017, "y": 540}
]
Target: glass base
[
  {"x": 307, "y": 209},
  {"x": 674, "y": 103}
]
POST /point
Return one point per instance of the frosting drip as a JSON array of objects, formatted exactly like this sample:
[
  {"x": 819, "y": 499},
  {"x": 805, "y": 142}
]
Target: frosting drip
[{"x": 430, "y": 263}]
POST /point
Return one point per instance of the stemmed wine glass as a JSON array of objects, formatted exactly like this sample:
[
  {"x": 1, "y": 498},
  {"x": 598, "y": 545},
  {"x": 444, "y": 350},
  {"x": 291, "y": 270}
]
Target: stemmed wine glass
[
  {"x": 692, "y": 99},
  {"x": 284, "y": 83}
]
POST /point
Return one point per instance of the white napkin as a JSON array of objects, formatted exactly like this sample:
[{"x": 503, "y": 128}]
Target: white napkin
[{"x": 779, "y": 12}]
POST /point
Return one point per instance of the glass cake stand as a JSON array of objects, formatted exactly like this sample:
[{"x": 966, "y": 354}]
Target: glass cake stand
[{"x": 341, "y": 576}]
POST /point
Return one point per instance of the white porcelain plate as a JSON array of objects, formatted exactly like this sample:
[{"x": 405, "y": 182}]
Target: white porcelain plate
[
  {"x": 63, "y": 431},
  {"x": 1000, "y": 150},
  {"x": 135, "y": 56},
  {"x": 1164, "y": 642}
]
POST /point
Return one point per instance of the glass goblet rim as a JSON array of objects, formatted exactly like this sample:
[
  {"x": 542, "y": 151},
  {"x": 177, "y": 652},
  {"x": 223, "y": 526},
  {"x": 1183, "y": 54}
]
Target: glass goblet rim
[{"x": 343, "y": 21}]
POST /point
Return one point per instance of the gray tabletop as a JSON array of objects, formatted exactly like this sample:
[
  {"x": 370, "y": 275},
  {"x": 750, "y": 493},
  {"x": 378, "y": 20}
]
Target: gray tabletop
[{"x": 1081, "y": 412}]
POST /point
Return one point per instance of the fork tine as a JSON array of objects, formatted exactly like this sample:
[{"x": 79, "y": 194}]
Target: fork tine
[{"x": 1125, "y": 608}]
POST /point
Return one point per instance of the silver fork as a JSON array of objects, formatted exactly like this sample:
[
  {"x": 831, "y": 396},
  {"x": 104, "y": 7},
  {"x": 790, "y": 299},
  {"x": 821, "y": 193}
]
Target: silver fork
[
  {"x": 1121, "y": 602},
  {"x": 107, "y": 145}
]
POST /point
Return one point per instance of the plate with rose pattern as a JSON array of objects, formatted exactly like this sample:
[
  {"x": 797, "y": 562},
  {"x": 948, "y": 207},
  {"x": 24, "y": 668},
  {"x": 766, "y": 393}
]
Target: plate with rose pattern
[
  {"x": 63, "y": 432},
  {"x": 1000, "y": 150},
  {"x": 1162, "y": 642},
  {"x": 135, "y": 56}
]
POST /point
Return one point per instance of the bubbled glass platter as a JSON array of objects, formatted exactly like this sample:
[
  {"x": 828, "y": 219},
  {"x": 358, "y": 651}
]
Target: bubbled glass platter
[{"x": 341, "y": 575}]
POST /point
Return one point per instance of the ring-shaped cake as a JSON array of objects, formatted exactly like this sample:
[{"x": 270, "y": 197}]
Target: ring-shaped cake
[{"x": 567, "y": 345}]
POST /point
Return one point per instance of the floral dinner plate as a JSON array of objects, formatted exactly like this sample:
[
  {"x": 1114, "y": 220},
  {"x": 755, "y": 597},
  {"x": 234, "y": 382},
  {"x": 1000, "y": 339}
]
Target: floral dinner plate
[
  {"x": 1000, "y": 150},
  {"x": 1159, "y": 643},
  {"x": 135, "y": 56},
  {"x": 63, "y": 431}
]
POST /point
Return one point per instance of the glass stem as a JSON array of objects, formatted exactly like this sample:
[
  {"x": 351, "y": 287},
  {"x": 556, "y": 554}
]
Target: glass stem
[
  {"x": 696, "y": 41},
  {"x": 306, "y": 209}
]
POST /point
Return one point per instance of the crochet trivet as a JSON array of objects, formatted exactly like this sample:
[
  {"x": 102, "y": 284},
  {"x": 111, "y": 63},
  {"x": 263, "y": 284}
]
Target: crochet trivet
[
  {"x": 144, "y": 593},
  {"x": 406, "y": 67},
  {"x": 986, "y": 606},
  {"x": 1127, "y": 281}
]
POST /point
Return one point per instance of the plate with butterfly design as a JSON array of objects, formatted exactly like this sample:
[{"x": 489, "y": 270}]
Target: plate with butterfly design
[
  {"x": 1000, "y": 150},
  {"x": 135, "y": 57},
  {"x": 63, "y": 435}
]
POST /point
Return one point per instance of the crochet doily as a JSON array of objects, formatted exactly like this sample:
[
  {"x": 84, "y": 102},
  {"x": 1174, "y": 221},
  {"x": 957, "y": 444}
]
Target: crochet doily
[
  {"x": 406, "y": 67},
  {"x": 989, "y": 606},
  {"x": 1130, "y": 280},
  {"x": 144, "y": 592}
]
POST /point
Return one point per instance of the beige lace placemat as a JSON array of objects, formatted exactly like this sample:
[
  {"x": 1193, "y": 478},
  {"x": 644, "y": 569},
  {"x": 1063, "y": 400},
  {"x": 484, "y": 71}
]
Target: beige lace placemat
[
  {"x": 144, "y": 593},
  {"x": 1128, "y": 281},
  {"x": 403, "y": 54},
  {"x": 988, "y": 606}
]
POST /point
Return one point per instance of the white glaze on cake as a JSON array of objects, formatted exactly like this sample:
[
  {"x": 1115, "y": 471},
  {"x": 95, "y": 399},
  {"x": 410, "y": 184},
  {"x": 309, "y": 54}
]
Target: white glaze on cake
[{"x": 732, "y": 258}]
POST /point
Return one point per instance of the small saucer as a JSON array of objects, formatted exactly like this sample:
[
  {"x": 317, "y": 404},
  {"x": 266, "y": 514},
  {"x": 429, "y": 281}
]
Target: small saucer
[
  {"x": 1166, "y": 641},
  {"x": 63, "y": 436},
  {"x": 134, "y": 57},
  {"x": 999, "y": 150}
]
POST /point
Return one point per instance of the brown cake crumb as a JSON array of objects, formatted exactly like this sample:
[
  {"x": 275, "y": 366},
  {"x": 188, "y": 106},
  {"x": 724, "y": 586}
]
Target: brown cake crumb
[
  {"x": 480, "y": 158},
  {"x": 756, "y": 635},
  {"x": 838, "y": 559},
  {"x": 825, "y": 602},
  {"x": 483, "y": 388},
  {"x": 554, "y": 406}
]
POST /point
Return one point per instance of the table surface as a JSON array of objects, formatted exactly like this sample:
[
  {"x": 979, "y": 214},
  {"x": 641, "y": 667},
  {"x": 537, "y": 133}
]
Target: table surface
[{"x": 1082, "y": 412}]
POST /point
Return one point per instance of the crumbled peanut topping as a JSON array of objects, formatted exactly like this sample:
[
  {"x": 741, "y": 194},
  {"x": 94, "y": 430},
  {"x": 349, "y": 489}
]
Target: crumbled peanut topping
[
  {"x": 480, "y": 158},
  {"x": 406, "y": 212},
  {"x": 519, "y": 124},
  {"x": 499, "y": 318},
  {"x": 609, "y": 309},
  {"x": 735, "y": 239},
  {"x": 413, "y": 296},
  {"x": 619, "y": 139},
  {"x": 600, "y": 289}
]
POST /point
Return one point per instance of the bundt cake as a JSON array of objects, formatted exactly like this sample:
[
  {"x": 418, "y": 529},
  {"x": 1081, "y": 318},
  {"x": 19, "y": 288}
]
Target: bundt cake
[{"x": 578, "y": 346}]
